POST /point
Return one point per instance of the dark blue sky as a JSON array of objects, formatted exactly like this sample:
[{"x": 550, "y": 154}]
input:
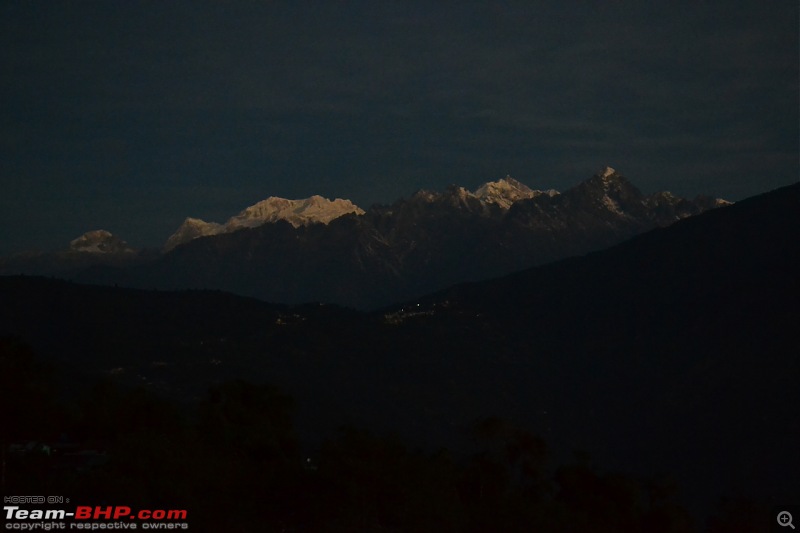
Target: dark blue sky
[{"x": 130, "y": 116}]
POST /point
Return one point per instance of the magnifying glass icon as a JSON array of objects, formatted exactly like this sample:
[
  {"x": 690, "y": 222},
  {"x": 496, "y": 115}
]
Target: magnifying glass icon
[{"x": 785, "y": 519}]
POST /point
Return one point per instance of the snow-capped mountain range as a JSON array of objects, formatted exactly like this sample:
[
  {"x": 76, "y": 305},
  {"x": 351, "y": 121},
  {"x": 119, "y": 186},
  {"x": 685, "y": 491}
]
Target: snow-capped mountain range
[
  {"x": 503, "y": 193},
  {"x": 318, "y": 210},
  {"x": 489, "y": 197},
  {"x": 313, "y": 210},
  {"x": 332, "y": 250}
]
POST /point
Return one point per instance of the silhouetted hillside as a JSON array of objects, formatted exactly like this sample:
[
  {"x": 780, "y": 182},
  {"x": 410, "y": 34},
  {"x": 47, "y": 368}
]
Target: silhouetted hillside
[{"x": 675, "y": 353}]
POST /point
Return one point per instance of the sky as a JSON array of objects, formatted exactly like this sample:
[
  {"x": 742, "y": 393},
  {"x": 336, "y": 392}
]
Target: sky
[{"x": 131, "y": 116}]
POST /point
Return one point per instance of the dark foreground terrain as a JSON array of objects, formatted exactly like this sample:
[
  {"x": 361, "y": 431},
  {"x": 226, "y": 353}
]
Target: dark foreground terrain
[{"x": 648, "y": 387}]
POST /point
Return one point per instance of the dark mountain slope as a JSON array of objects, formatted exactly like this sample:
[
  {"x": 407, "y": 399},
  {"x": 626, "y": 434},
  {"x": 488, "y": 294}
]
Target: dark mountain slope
[
  {"x": 677, "y": 348},
  {"x": 673, "y": 353},
  {"x": 143, "y": 337}
]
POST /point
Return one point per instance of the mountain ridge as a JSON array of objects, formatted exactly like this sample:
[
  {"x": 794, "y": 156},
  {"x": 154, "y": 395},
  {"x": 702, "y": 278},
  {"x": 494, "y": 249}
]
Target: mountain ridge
[
  {"x": 312, "y": 210},
  {"x": 332, "y": 251},
  {"x": 316, "y": 209}
]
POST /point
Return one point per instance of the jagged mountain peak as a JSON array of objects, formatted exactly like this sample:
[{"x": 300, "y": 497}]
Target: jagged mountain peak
[
  {"x": 302, "y": 212},
  {"x": 611, "y": 183},
  {"x": 422, "y": 194},
  {"x": 99, "y": 242},
  {"x": 451, "y": 192},
  {"x": 459, "y": 192},
  {"x": 192, "y": 228},
  {"x": 609, "y": 176},
  {"x": 607, "y": 172},
  {"x": 312, "y": 210},
  {"x": 505, "y": 184},
  {"x": 504, "y": 192},
  {"x": 501, "y": 193}
]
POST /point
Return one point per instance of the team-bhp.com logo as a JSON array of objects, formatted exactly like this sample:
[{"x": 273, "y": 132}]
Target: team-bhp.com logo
[{"x": 93, "y": 517}]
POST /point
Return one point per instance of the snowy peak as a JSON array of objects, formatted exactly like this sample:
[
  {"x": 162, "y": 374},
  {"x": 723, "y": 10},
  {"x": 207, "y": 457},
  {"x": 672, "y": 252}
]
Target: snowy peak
[
  {"x": 501, "y": 193},
  {"x": 607, "y": 194},
  {"x": 606, "y": 172},
  {"x": 504, "y": 192},
  {"x": 460, "y": 197},
  {"x": 99, "y": 242},
  {"x": 610, "y": 182},
  {"x": 313, "y": 210},
  {"x": 192, "y": 228},
  {"x": 505, "y": 186}
]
